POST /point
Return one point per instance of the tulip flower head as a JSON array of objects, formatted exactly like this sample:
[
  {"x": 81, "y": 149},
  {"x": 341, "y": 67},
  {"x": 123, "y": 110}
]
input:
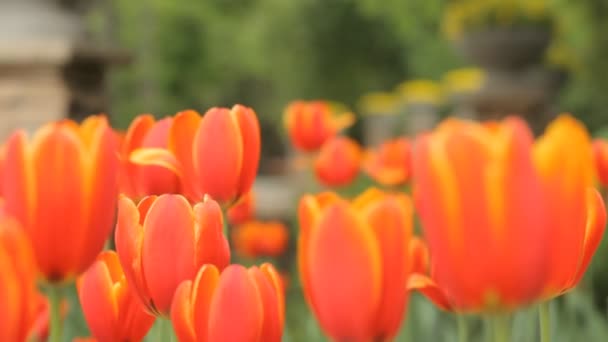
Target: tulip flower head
[
  {"x": 237, "y": 304},
  {"x": 163, "y": 241},
  {"x": 354, "y": 260},
  {"x": 508, "y": 221},
  {"x": 137, "y": 181},
  {"x": 112, "y": 309},
  {"x": 338, "y": 162},
  {"x": 216, "y": 154},
  {"x": 390, "y": 163},
  {"x": 63, "y": 183},
  {"x": 258, "y": 238},
  {"x": 311, "y": 123}
]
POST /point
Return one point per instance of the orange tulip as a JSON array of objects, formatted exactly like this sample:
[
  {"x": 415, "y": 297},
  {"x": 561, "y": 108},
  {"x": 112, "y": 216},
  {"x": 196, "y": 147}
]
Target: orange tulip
[
  {"x": 508, "y": 221},
  {"x": 217, "y": 154},
  {"x": 62, "y": 186},
  {"x": 338, "y": 162},
  {"x": 600, "y": 154},
  {"x": 257, "y": 238},
  {"x": 311, "y": 123},
  {"x": 138, "y": 181},
  {"x": 237, "y": 305},
  {"x": 390, "y": 163},
  {"x": 18, "y": 293},
  {"x": 163, "y": 241},
  {"x": 354, "y": 261},
  {"x": 243, "y": 210},
  {"x": 111, "y": 307}
]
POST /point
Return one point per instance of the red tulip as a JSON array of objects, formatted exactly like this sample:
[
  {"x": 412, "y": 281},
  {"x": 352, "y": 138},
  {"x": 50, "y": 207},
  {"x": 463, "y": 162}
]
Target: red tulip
[
  {"x": 163, "y": 241},
  {"x": 390, "y": 163},
  {"x": 355, "y": 260},
  {"x": 338, "y": 162},
  {"x": 216, "y": 155},
  {"x": 310, "y": 124},
  {"x": 63, "y": 183},
  {"x": 18, "y": 293},
  {"x": 237, "y": 305},
  {"x": 504, "y": 216},
  {"x": 138, "y": 181},
  {"x": 111, "y": 307},
  {"x": 257, "y": 238}
]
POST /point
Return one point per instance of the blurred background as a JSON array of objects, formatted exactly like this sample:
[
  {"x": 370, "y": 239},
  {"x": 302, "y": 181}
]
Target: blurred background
[{"x": 400, "y": 65}]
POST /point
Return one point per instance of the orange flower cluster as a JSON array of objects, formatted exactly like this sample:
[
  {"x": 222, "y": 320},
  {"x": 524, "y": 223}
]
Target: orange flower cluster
[
  {"x": 314, "y": 127},
  {"x": 177, "y": 176},
  {"x": 508, "y": 221}
]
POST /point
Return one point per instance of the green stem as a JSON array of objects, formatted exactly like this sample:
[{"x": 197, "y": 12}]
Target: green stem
[
  {"x": 502, "y": 331},
  {"x": 165, "y": 333},
  {"x": 544, "y": 322},
  {"x": 463, "y": 329},
  {"x": 55, "y": 296}
]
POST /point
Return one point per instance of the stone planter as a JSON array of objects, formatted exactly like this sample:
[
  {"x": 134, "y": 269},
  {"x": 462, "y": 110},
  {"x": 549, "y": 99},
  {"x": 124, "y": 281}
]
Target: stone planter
[
  {"x": 420, "y": 117},
  {"x": 505, "y": 48},
  {"x": 381, "y": 127},
  {"x": 528, "y": 93}
]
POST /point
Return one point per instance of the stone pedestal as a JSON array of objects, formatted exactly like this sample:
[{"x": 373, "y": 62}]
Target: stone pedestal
[
  {"x": 382, "y": 127},
  {"x": 516, "y": 82},
  {"x": 47, "y": 71},
  {"x": 421, "y": 117}
]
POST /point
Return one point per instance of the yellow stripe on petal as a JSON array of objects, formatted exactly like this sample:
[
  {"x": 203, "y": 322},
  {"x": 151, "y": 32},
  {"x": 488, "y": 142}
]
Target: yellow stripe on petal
[{"x": 156, "y": 157}]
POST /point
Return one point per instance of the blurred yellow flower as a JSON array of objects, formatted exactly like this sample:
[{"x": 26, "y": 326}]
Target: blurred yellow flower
[
  {"x": 420, "y": 91},
  {"x": 466, "y": 15},
  {"x": 464, "y": 80},
  {"x": 375, "y": 103}
]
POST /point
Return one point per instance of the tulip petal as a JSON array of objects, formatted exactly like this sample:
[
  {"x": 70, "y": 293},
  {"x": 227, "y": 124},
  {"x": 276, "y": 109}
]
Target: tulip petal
[
  {"x": 236, "y": 303},
  {"x": 153, "y": 156},
  {"x": 564, "y": 159},
  {"x": 418, "y": 256},
  {"x": 101, "y": 188},
  {"x": 58, "y": 158},
  {"x": 594, "y": 231},
  {"x": 250, "y": 134},
  {"x": 343, "y": 264},
  {"x": 168, "y": 235},
  {"x": 211, "y": 244},
  {"x": 136, "y": 133},
  {"x": 429, "y": 289},
  {"x": 155, "y": 179},
  {"x": 309, "y": 213},
  {"x": 272, "y": 329},
  {"x": 129, "y": 241},
  {"x": 181, "y": 139},
  {"x": 218, "y": 155},
  {"x": 391, "y": 221},
  {"x": 182, "y": 315},
  {"x": 18, "y": 183},
  {"x": 271, "y": 273},
  {"x": 205, "y": 284},
  {"x": 99, "y": 305}
]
